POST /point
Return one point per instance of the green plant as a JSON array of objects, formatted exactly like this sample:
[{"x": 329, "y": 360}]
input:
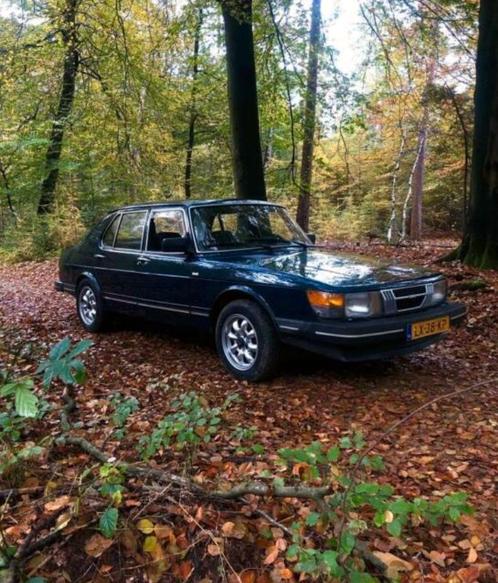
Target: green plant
[
  {"x": 62, "y": 363},
  {"x": 112, "y": 489},
  {"x": 191, "y": 422},
  {"x": 123, "y": 408},
  {"x": 22, "y": 403},
  {"x": 335, "y": 521}
]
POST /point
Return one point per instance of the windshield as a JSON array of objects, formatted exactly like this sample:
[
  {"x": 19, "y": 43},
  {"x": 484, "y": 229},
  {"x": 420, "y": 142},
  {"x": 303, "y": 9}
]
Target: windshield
[{"x": 220, "y": 227}]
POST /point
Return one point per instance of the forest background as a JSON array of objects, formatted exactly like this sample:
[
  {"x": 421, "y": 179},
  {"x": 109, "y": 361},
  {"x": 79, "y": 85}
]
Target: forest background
[{"x": 149, "y": 117}]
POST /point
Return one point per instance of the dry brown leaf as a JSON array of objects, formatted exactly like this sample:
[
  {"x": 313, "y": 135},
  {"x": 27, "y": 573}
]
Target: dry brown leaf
[
  {"x": 97, "y": 545},
  {"x": 438, "y": 558},
  {"x": 57, "y": 504},
  {"x": 248, "y": 577},
  {"x": 472, "y": 556},
  {"x": 393, "y": 564},
  {"x": 272, "y": 555}
]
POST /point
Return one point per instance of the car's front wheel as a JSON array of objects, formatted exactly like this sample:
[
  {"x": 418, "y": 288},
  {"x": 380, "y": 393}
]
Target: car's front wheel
[
  {"x": 247, "y": 341},
  {"x": 90, "y": 306}
]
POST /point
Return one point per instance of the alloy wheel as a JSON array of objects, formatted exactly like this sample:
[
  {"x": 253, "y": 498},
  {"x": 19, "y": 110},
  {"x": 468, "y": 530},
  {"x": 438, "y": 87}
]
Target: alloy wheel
[
  {"x": 239, "y": 341},
  {"x": 87, "y": 305}
]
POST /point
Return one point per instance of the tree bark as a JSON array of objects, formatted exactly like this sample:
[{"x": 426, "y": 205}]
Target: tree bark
[
  {"x": 480, "y": 241},
  {"x": 66, "y": 98},
  {"x": 193, "y": 107},
  {"x": 243, "y": 100},
  {"x": 419, "y": 174},
  {"x": 303, "y": 208}
]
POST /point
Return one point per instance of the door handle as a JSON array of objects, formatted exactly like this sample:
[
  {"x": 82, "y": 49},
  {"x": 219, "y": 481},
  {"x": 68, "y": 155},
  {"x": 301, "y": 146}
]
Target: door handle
[
  {"x": 143, "y": 260},
  {"x": 99, "y": 256}
]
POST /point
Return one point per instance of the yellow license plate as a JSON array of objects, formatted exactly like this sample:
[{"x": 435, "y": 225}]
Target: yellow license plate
[{"x": 429, "y": 328}]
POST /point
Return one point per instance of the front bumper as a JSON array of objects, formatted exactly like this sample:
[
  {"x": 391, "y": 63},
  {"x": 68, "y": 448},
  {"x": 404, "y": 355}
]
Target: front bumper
[{"x": 370, "y": 339}]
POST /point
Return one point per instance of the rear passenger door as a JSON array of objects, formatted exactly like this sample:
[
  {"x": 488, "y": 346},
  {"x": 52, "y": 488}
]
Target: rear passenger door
[{"x": 118, "y": 265}]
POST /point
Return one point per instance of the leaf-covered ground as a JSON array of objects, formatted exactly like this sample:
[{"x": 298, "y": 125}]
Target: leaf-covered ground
[{"x": 450, "y": 446}]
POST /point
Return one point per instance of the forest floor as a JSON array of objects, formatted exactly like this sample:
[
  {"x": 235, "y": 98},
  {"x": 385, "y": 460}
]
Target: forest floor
[{"x": 451, "y": 446}]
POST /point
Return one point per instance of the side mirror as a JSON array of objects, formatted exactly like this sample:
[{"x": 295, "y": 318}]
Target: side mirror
[
  {"x": 311, "y": 237},
  {"x": 176, "y": 244}
]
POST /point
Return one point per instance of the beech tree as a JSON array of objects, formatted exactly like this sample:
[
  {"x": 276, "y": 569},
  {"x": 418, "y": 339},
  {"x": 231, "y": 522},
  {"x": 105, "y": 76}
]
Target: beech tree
[
  {"x": 69, "y": 32},
  {"x": 303, "y": 209},
  {"x": 480, "y": 241},
  {"x": 247, "y": 156}
]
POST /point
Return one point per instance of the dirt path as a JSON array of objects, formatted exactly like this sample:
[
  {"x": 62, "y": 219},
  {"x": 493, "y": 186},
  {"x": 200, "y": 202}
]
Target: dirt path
[{"x": 452, "y": 446}]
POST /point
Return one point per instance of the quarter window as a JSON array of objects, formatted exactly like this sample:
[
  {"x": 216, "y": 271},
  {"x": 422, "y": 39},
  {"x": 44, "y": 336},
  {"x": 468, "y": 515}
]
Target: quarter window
[
  {"x": 131, "y": 231},
  {"x": 110, "y": 233}
]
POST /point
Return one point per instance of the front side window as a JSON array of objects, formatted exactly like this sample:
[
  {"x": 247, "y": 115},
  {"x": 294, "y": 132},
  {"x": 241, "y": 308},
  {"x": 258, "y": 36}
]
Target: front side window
[
  {"x": 131, "y": 230},
  {"x": 166, "y": 224},
  {"x": 245, "y": 225}
]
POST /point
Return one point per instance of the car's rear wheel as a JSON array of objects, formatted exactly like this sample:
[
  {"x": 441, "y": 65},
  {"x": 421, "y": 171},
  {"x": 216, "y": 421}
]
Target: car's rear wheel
[
  {"x": 247, "y": 341},
  {"x": 90, "y": 306}
]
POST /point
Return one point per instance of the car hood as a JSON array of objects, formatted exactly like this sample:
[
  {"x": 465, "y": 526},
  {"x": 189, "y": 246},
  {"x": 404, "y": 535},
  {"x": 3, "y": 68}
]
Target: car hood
[{"x": 325, "y": 266}]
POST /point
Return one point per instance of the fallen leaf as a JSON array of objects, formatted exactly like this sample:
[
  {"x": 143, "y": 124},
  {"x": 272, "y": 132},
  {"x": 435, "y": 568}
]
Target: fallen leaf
[
  {"x": 97, "y": 545},
  {"x": 472, "y": 556},
  {"x": 145, "y": 525},
  {"x": 57, "y": 504},
  {"x": 393, "y": 564}
]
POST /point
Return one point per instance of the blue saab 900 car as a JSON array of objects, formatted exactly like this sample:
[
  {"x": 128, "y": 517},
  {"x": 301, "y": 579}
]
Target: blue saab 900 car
[{"x": 246, "y": 271}]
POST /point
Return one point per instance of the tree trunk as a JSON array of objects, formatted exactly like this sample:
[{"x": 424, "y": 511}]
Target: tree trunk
[
  {"x": 243, "y": 100},
  {"x": 418, "y": 176},
  {"x": 480, "y": 242},
  {"x": 303, "y": 208},
  {"x": 54, "y": 150},
  {"x": 193, "y": 107}
]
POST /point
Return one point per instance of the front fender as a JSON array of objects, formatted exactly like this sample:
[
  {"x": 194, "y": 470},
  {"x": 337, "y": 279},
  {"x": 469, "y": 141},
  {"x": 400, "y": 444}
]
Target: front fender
[{"x": 239, "y": 292}]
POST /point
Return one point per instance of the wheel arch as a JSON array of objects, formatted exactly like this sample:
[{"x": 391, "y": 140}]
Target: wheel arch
[
  {"x": 90, "y": 276},
  {"x": 239, "y": 293}
]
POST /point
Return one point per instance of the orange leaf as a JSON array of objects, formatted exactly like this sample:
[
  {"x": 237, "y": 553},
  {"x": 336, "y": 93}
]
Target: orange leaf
[
  {"x": 472, "y": 556},
  {"x": 272, "y": 555}
]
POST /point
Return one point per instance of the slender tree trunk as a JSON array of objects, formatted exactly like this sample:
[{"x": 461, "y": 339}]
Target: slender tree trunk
[
  {"x": 480, "y": 241},
  {"x": 54, "y": 150},
  {"x": 303, "y": 208},
  {"x": 193, "y": 107},
  {"x": 419, "y": 174},
  {"x": 393, "y": 229},
  {"x": 243, "y": 100}
]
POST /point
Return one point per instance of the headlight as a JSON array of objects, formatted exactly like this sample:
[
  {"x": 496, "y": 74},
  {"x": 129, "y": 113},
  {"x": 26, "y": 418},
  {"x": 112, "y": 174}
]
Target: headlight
[
  {"x": 363, "y": 305},
  {"x": 354, "y": 305},
  {"x": 325, "y": 304},
  {"x": 439, "y": 292}
]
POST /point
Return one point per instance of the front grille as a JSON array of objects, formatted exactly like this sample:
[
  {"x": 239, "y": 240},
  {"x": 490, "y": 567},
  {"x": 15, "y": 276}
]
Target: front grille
[{"x": 406, "y": 299}]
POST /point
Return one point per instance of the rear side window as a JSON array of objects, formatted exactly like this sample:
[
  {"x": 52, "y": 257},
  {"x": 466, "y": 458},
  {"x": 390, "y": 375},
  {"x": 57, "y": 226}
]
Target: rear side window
[
  {"x": 110, "y": 233},
  {"x": 131, "y": 231}
]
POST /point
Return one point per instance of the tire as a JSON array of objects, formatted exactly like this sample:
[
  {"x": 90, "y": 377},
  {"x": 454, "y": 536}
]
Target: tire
[
  {"x": 90, "y": 306},
  {"x": 247, "y": 342}
]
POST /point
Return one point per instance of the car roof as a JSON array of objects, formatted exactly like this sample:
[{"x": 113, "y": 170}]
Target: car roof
[{"x": 192, "y": 203}]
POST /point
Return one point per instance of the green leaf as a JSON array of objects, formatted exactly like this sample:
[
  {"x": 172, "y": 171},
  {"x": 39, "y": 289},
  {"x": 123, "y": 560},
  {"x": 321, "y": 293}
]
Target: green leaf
[
  {"x": 394, "y": 528},
  {"x": 345, "y": 443},
  {"x": 26, "y": 402},
  {"x": 312, "y": 518},
  {"x": 108, "y": 522},
  {"x": 333, "y": 454},
  {"x": 79, "y": 348},
  {"x": 60, "y": 349},
  {"x": 330, "y": 560}
]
